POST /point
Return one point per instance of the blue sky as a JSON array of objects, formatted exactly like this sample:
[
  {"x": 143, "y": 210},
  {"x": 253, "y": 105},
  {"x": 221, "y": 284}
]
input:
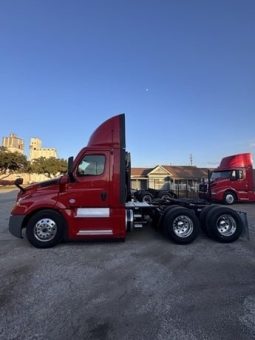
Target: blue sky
[{"x": 183, "y": 71}]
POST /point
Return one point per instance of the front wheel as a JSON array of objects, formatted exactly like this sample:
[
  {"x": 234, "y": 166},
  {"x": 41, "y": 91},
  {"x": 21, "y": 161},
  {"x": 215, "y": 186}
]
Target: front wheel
[
  {"x": 181, "y": 225},
  {"x": 45, "y": 229},
  {"x": 229, "y": 198}
]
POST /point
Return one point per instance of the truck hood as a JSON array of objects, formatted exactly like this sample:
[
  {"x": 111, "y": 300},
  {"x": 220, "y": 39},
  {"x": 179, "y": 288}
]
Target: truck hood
[{"x": 52, "y": 184}]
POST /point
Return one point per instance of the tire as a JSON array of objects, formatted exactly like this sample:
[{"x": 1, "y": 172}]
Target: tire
[
  {"x": 223, "y": 224},
  {"x": 163, "y": 216},
  {"x": 147, "y": 198},
  {"x": 45, "y": 229},
  {"x": 165, "y": 197},
  {"x": 230, "y": 197},
  {"x": 172, "y": 194},
  {"x": 181, "y": 225},
  {"x": 169, "y": 208},
  {"x": 203, "y": 215}
]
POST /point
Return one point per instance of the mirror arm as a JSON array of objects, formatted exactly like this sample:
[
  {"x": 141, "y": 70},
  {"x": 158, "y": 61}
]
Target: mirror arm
[
  {"x": 19, "y": 181},
  {"x": 70, "y": 169}
]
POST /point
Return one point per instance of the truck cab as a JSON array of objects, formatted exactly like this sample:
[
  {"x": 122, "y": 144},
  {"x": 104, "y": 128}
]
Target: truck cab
[
  {"x": 232, "y": 181},
  {"x": 89, "y": 200}
]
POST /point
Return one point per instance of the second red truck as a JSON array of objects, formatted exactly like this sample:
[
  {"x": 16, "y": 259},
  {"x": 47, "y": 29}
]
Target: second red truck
[{"x": 233, "y": 181}]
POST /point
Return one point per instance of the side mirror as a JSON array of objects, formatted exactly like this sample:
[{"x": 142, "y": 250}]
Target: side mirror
[
  {"x": 70, "y": 169},
  {"x": 18, "y": 183}
]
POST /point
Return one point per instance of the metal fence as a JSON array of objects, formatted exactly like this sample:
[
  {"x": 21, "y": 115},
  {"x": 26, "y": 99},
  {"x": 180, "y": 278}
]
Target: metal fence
[{"x": 185, "y": 190}]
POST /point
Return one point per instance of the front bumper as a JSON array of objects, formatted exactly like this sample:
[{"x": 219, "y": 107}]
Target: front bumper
[{"x": 15, "y": 225}]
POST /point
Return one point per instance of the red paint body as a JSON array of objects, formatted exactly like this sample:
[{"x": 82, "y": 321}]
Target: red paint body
[
  {"x": 93, "y": 205},
  {"x": 235, "y": 174}
]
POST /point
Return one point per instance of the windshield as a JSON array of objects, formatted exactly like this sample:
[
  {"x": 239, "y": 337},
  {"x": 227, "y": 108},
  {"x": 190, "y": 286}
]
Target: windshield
[{"x": 216, "y": 175}]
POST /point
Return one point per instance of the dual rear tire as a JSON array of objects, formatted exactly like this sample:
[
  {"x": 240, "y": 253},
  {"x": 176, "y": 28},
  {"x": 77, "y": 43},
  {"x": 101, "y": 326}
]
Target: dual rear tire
[
  {"x": 221, "y": 223},
  {"x": 180, "y": 225}
]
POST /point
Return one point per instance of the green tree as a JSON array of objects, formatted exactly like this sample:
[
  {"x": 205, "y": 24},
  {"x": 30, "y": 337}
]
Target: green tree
[
  {"x": 12, "y": 161},
  {"x": 49, "y": 166}
]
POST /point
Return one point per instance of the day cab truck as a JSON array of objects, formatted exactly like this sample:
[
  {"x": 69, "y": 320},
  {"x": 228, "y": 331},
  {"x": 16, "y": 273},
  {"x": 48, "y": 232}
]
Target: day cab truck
[
  {"x": 93, "y": 201},
  {"x": 233, "y": 181}
]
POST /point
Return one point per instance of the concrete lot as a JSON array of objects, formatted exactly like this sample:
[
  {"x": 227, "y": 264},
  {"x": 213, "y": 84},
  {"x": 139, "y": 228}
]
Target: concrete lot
[{"x": 145, "y": 288}]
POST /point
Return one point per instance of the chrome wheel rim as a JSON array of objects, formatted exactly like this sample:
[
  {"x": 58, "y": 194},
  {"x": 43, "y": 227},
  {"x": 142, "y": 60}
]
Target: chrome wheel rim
[
  {"x": 183, "y": 226},
  {"x": 45, "y": 230},
  {"x": 230, "y": 198},
  {"x": 226, "y": 225}
]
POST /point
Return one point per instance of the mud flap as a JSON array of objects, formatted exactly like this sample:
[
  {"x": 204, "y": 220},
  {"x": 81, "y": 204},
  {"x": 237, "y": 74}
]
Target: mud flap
[{"x": 245, "y": 232}]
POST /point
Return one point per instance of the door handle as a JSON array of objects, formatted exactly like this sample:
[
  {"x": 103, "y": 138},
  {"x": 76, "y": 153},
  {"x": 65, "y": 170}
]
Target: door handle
[{"x": 103, "y": 195}]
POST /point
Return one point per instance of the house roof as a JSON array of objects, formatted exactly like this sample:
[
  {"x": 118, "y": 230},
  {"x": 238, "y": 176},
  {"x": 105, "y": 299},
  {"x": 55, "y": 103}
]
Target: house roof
[
  {"x": 186, "y": 172},
  {"x": 140, "y": 172},
  {"x": 177, "y": 172}
]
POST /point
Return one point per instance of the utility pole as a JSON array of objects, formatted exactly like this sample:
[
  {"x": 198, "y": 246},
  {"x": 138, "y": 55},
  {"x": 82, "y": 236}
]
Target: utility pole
[{"x": 191, "y": 159}]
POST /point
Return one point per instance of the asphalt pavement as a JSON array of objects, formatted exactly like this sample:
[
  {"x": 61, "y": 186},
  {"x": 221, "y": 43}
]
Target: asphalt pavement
[{"x": 144, "y": 288}]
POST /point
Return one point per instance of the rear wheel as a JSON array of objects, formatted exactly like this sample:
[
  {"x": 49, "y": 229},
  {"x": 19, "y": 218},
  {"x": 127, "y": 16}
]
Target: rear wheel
[
  {"x": 181, "y": 225},
  {"x": 45, "y": 228},
  {"x": 203, "y": 215},
  {"x": 163, "y": 216},
  {"x": 147, "y": 198},
  {"x": 165, "y": 197},
  {"x": 224, "y": 224}
]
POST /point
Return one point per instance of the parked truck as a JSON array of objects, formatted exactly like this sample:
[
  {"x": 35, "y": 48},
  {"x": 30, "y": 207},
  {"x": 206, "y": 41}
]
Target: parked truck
[
  {"x": 148, "y": 195},
  {"x": 93, "y": 201},
  {"x": 233, "y": 181}
]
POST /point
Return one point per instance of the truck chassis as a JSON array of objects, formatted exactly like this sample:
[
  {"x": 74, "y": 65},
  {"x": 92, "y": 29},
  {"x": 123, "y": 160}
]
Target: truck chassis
[{"x": 180, "y": 220}]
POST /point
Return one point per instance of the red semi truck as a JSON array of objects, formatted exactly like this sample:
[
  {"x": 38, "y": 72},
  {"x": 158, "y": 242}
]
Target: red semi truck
[
  {"x": 93, "y": 201},
  {"x": 233, "y": 181}
]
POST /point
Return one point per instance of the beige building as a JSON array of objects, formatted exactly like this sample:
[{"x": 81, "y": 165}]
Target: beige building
[
  {"x": 36, "y": 150},
  {"x": 13, "y": 143},
  {"x": 176, "y": 178}
]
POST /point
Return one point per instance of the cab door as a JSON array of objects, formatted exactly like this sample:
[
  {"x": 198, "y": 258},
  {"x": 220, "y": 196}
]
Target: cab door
[
  {"x": 88, "y": 196},
  {"x": 239, "y": 184}
]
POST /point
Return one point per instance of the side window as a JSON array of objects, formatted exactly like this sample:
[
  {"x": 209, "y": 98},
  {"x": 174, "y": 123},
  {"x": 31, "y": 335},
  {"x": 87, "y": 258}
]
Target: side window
[
  {"x": 241, "y": 176},
  {"x": 91, "y": 165},
  {"x": 233, "y": 176}
]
